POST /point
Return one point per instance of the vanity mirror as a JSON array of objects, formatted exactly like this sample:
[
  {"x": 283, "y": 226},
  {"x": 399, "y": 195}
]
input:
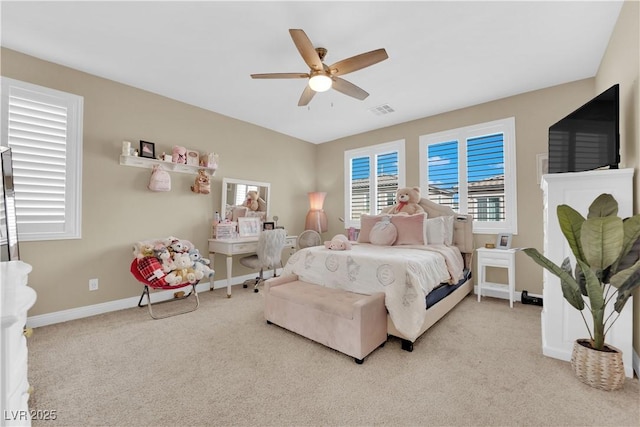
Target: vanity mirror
[
  {"x": 8, "y": 227},
  {"x": 234, "y": 194}
]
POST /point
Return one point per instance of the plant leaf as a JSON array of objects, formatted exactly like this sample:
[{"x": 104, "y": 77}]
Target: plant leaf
[
  {"x": 604, "y": 205},
  {"x": 580, "y": 279},
  {"x": 595, "y": 290},
  {"x": 626, "y": 281},
  {"x": 571, "y": 221},
  {"x": 601, "y": 240},
  {"x": 570, "y": 289},
  {"x": 631, "y": 227}
]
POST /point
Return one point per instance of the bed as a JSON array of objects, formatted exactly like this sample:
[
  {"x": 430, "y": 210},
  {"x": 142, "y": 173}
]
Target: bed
[{"x": 421, "y": 282}]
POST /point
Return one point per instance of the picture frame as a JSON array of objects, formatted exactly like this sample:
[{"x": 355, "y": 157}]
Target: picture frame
[
  {"x": 542, "y": 165},
  {"x": 193, "y": 158},
  {"x": 268, "y": 225},
  {"x": 504, "y": 241},
  {"x": 249, "y": 226},
  {"x": 147, "y": 149}
]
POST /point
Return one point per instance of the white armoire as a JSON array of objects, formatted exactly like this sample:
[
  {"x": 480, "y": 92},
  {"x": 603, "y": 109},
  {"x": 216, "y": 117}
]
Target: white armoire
[{"x": 562, "y": 323}]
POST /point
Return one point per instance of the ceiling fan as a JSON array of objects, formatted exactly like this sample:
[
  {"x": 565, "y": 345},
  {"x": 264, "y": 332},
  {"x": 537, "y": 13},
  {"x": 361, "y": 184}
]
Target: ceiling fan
[{"x": 322, "y": 77}]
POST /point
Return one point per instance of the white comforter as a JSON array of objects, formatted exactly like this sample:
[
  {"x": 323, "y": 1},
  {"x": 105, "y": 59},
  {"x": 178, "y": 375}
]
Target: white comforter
[{"x": 406, "y": 274}]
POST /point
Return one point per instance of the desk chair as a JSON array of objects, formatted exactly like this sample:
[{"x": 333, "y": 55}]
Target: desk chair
[{"x": 268, "y": 255}]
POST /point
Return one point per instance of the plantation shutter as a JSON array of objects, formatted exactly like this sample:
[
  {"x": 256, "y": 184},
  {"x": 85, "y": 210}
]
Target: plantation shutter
[
  {"x": 43, "y": 130},
  {"x": 372, "y": 176},
  {"x": 486, "y": 193},
  {"x": 386, "y": 179},
  {"x": 444, "y": 180},
  {"x": 360, "y": 187}
]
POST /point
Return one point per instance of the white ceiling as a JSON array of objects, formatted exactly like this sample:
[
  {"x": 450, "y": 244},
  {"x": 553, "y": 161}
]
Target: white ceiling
[{"x": 442, "y": 55}]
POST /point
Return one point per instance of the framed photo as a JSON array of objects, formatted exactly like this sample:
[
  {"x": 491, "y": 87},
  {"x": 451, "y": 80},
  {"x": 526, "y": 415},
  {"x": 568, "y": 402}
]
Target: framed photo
[
  {"x": 268, "y": 225},
  {"x": 503, "y": 241},
  {"x": 542, "y": 164},
  {"x": 147, "y": 149},
  {"x": 248, "y": 227}
]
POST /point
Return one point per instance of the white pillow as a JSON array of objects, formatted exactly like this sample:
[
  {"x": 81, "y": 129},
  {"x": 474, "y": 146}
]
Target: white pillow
[
  {"x": 436, "y": 231},
  {"x": 448, "y": 229}
]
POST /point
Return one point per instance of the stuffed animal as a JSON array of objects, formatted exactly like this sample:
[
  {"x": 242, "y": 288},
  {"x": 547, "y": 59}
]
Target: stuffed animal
[
  {"x": 200, "y": 263},
  {"x": 175, "y": 246},
  {"x": 251, "y": 201},
  {"x": 407, "y": 200},
  {"x": 184, "y": 271},
  {"x": 338, "y": 243},
  {"x": 202, "y": 184},
  {"x": 143, "y": 249},
  {"x": 179, "y": 155}
]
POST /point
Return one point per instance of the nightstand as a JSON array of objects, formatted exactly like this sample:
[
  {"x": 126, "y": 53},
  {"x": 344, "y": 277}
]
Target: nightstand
[{"x": 502, "y": 258}]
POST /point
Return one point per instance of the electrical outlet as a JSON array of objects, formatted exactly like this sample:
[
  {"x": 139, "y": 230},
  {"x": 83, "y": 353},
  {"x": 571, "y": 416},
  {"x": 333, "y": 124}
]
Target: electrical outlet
[{"x": 93, "y": 284}]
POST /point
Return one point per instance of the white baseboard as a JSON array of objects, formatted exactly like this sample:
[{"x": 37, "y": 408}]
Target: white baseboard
[{"x": 106, "y": 307}]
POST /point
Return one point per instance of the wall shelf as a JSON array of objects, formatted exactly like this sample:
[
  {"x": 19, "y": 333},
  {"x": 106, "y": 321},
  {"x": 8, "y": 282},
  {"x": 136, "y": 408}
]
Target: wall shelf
[{"x": 143, "y": 162}]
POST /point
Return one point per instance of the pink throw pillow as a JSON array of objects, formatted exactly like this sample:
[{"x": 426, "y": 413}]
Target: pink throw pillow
[
  {"x": 366, "y": 224},
  {"x": 383, "y": 232},
  {"x": 411, "y": 229}
]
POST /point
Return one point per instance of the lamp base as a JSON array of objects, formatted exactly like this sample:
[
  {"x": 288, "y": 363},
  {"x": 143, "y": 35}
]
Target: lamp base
[{"x": 316, "y": 220}]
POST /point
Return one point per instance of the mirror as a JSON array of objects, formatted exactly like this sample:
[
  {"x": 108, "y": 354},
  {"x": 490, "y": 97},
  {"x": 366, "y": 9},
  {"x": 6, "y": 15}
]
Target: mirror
[
  {"x": 234, "y": 194},
  {"x": 8, "y": 225}
]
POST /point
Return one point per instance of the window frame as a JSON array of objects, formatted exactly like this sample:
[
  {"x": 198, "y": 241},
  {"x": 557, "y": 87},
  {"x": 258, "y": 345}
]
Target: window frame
[
  {"x": 370, "y": 151},
  {"x": 507, "y": 128},
  {"x": 74, "y": 105}
]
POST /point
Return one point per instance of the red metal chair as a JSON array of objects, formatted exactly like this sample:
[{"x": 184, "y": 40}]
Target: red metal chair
[{"x": 149, "y": 284}]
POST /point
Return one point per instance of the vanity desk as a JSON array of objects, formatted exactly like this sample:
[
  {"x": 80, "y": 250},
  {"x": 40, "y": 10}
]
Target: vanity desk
[{"x": 238, "y": 246}]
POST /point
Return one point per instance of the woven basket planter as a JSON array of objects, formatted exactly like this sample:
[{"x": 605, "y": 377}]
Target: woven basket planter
[{"x": 599, "y": 369}]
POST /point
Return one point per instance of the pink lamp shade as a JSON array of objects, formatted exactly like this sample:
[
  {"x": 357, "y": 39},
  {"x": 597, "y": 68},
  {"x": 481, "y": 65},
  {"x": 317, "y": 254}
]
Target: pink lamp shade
[{"x": 316, "y": 217}]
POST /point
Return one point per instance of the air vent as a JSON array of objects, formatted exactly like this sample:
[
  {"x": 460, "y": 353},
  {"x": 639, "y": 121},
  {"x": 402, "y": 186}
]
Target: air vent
[{"x": 381, "y": 110}]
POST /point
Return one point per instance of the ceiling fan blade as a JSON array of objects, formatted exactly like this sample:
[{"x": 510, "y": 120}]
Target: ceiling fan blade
[
  {"x": 280, "y": 76},
  {"x": 306, "y": 49},
  {"x": 306, "y": 97},
  {"x": 358, "y": 62},
  {"x": 343, "y": 86}
]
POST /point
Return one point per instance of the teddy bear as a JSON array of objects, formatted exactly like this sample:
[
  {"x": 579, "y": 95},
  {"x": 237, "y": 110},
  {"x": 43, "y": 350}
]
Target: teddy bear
[
  {"x": 175, "y": 246},
  {"x": 184, "y": 271},
  {"x": 202, "y": 184},
  {"x": 200, "y": 263},
  {"x": 142, "y": 250},
  {"x": 254, "y": 202},
  {"x": 338, "y": 243},
  {"x": 407, "y": 200},
  {"x": 179, "y": 155}
]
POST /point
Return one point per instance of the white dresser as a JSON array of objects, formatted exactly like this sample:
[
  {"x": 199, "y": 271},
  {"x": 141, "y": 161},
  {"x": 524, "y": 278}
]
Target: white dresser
[
  {"x": 561, "y": 323},
  {"x": 15, "y": 299}
]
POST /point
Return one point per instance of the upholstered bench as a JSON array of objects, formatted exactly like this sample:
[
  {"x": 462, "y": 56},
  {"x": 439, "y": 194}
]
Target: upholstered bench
[{"x": 351, "y": 323}]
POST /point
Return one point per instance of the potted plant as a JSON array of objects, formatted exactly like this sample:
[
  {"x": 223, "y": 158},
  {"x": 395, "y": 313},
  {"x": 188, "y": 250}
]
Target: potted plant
[{"x": 606, "y": 268}]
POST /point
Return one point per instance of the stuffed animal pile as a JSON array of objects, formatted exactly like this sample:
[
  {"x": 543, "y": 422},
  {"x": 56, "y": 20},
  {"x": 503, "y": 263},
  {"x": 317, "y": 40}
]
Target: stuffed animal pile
[{"x": 170, "y": 262}]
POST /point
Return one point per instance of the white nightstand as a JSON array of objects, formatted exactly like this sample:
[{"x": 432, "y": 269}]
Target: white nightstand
[{"x": 503, "y": 258}]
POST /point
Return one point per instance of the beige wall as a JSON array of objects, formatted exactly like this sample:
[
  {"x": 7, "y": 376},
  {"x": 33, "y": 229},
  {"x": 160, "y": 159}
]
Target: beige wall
[
  {"x": 117, "y": 208},
  {"x": 534, "y": 113},
  {"x": 621, "y": 64}
]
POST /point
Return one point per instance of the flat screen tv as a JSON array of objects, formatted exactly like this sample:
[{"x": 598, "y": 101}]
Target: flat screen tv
[{"x": 589, "y": 137}]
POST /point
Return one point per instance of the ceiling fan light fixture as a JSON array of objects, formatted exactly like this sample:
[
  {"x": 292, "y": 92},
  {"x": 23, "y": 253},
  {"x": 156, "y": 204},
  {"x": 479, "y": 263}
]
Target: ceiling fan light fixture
[{"x": 320, "y": 82}]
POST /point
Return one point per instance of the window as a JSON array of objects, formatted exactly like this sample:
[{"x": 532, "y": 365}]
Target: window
[
  {"x": 472, "y": 170},
  {"x": 43, "y": 128},
  {"x": 372, "y": 176}
]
